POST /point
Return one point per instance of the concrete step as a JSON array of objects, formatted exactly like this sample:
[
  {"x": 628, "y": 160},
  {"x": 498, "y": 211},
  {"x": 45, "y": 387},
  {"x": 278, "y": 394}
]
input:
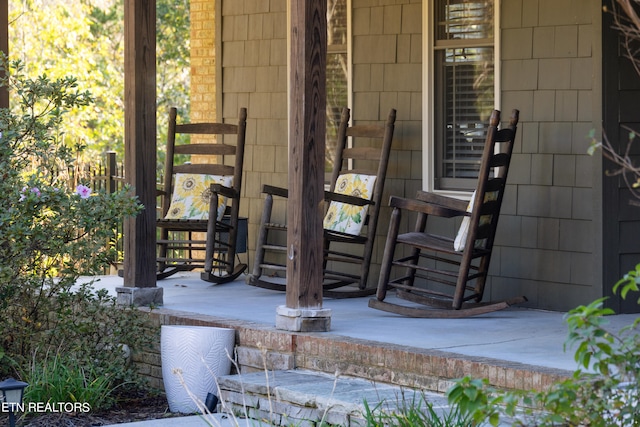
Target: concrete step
[{"x": 305, "y": 398}]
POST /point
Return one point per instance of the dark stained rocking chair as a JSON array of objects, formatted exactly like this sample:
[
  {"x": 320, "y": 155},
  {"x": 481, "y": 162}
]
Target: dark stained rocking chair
[
  {"x": 201, "y": 200},
  {"x": 357, "y": 182},
  {"x": 455, "y": 276}
]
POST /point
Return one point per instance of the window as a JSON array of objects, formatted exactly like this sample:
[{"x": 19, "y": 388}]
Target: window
[
  {"x": 337, "y": 73},
  {"x": 462, "y": 89}
]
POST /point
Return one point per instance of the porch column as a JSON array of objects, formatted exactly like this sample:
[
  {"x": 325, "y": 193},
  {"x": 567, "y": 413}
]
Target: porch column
[
  {"x": 303, "y": 311},
  {"x": 140, "y": 153}
]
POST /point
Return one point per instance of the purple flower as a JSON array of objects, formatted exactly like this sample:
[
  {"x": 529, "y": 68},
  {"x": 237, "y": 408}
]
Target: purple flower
[
  {"x": 83, "y": 191},
  {"x": 22, "y": 195},
  {"x": 25, "y": 190}
]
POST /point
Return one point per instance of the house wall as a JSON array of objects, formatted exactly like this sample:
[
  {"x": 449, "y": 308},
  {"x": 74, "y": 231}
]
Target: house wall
[
  {"x": 387, "y": 73},
  {"x": 254, "y": 75},
  {"x": 204, "y": 61},
  {"x": 549, "y": 239}
]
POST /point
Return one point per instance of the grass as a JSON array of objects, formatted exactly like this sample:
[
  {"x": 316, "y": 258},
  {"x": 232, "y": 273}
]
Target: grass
[
  {"x": 59, "y": 379},
  {"x": 418, "y": 412}
]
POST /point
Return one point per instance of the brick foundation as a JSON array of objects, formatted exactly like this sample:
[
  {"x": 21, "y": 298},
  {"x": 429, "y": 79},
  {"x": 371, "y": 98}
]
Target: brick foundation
[{"x": 260, "y": 347}]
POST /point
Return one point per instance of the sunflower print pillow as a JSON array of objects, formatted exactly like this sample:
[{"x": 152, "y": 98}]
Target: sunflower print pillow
[
  {"x": 344, "y": 217},
  {"x": 191, "y": 195}
]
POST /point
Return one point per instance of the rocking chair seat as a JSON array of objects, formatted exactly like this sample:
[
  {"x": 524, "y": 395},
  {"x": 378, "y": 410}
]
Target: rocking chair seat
[
  {"x": 183, "y": 224},
  {"x": 436, "y": 243}
]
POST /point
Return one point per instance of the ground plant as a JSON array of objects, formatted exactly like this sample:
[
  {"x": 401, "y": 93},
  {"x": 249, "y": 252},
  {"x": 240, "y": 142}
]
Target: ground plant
[
  {"x": 63, "y": 378},
  {"x": 63, "y": 338}
]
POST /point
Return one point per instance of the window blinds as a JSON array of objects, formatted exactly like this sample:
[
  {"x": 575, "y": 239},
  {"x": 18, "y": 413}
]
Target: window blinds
[{"x": 464, "y": 58}]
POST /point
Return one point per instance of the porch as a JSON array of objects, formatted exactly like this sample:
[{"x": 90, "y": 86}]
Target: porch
[{"x": 513, "y": 348}]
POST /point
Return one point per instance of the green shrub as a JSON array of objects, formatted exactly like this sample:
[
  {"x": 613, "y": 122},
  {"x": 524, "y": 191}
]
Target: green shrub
[
  {"x": 87, "y": 351},
  {"x": 53, "y": 230}
]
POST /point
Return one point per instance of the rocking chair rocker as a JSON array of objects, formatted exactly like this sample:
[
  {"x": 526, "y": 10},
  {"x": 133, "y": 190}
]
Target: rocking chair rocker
[
  {"x": 455, "y": 270},
  {"x": 353, "y": 201},
  {"x": 201, "y": 197}
]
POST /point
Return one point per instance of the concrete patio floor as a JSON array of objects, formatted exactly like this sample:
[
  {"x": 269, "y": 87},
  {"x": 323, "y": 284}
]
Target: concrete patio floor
[{"x": 529, "y": 336}]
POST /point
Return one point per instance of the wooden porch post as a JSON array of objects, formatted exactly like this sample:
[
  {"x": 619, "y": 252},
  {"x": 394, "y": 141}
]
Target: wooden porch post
[
  {"x": 4, "y": 47},
  {"x": 140, "y": 153},
  {"x": 307, "y": 116}
]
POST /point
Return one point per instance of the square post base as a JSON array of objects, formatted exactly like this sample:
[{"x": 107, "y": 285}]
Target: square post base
[
  {"x": 127, "y": 296},
  {"x": 303, "y": 320}
]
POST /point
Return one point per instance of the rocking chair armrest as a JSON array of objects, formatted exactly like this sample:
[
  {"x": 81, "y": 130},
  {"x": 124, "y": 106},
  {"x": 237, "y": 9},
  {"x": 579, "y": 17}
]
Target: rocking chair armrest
[
  {"x": 275, "y": 191},
  {"x": 438, "y": 199},
  {"x": 328, "y": 196},
  {"x": 346, "y": 198},
  {"x": 225, "y": 191},
  {"x": 425, "y": 207}
]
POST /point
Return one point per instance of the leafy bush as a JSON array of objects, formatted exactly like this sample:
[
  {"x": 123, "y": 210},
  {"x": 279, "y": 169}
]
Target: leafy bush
[
  {"x": 603, "y": 391},
  {"x": 53, "y": 230},
  {"x": 629, "y": 283}
]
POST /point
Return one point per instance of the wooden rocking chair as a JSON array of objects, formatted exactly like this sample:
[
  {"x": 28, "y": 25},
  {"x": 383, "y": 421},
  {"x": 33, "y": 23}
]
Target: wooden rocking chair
[
  {"x": 455, "y": 270},
  {"x": 201, "y": 200},
  {"x": 353, "y": 201}
]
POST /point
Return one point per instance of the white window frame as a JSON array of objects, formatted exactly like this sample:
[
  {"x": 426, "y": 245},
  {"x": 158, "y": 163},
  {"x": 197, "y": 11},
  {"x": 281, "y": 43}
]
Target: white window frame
[{"x": 429, "y": 167}]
